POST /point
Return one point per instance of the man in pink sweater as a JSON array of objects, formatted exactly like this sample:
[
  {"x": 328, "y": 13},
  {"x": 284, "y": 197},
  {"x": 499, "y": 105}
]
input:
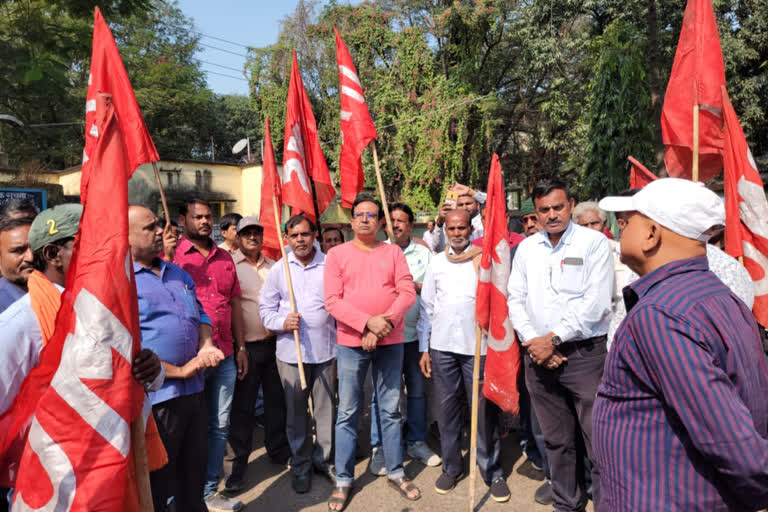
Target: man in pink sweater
[{"x": 368, "y": 290}]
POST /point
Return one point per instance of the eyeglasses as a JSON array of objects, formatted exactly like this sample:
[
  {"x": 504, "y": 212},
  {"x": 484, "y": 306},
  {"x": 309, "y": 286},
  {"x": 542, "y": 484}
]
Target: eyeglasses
[
  {"x": 252, "y": 233},
  {"x": 367, "y": 215}
]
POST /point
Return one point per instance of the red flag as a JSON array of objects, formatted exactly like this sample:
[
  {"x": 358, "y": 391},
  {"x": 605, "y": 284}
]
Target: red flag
[
  {"x": 639, "y": 175},
  {"x": 270, "y": 188},
  {"x": 746, "y": 209},
  {"x": 357, "y": 127},
  {"x": 697, "y": 74},
  {"x": 108, "y": 75},
  {"x": 302, "y": 157},
  {"x": 502, "y": 362},
  {"x": 82, "y": 392}
]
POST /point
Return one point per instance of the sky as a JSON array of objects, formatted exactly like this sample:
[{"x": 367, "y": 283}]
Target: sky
[{"x": 232, "y": 25}]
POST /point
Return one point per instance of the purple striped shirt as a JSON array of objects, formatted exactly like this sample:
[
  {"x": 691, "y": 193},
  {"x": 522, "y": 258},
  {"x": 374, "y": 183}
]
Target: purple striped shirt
[{"x": 681, "y": 416}]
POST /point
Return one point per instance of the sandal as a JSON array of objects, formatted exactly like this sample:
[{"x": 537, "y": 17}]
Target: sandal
[
  {"x": 336, "y": 500},
  {"x": 404, "y": 486}
]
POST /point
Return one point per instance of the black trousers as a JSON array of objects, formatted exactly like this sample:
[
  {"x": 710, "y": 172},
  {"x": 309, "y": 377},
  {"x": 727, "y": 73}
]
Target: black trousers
[
  {"x": 262, "y": 371},
  {"x": 183, "y": 426},
  {"x": 562, "y": 401},
  {"x": 453, "y": 384}
]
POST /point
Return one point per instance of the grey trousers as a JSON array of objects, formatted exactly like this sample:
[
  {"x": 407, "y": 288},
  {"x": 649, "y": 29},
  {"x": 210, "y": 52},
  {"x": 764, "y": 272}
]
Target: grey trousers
[{"x": 321, "y": 382}]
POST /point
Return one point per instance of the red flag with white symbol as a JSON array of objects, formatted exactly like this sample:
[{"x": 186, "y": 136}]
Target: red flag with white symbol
[
  {"x": 746, "y": 209},
  {"x": 108, "y": 75},
  {"x": 697, "y": 74},
  {"x": 303, "y": 160},
  {"x": 357, "y": 128},
  {"x": 79, "y": 444},
  {"x": 502, "y": 363},
  {"x": 639, "y": 175},
  {"x": 270, "y": 188}
]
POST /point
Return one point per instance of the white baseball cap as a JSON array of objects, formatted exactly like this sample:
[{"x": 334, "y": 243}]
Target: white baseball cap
[{"x": 687, "y": 208}]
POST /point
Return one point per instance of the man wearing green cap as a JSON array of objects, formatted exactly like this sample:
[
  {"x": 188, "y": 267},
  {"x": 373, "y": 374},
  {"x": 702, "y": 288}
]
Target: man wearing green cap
[{"x": 528, "y": 218}]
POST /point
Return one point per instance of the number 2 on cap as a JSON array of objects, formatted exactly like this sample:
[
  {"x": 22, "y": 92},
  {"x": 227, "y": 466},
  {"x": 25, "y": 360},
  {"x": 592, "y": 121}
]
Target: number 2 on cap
[{"x": 53, "y": 229}]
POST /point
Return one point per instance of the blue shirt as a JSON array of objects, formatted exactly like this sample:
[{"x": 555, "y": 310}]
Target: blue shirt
[
  {"x": 9, "y": 293},
  {"x": 170, "y": 316},
  {"x": 681, "y": 417},
  {"x": 317, "y": 328}
]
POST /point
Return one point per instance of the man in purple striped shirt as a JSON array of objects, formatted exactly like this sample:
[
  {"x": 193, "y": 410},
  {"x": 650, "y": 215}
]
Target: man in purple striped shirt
[{"x": 681, "y": 416}]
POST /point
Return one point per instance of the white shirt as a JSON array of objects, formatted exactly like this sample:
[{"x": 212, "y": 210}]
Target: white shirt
[
  {"x": 431, "y": 238},
  {"x": 565, "y": 289},
  {"x": 448, "y": 307}
]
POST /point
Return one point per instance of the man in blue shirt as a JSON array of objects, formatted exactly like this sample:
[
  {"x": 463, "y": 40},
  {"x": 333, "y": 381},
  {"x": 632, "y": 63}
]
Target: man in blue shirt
[
  {"x": 15, "y": 260},
  {"x": 175, "y": 327}
]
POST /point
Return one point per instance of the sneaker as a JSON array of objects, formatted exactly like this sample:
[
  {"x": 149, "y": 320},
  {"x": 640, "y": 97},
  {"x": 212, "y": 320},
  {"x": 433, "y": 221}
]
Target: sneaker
[
  {"x": 218, "y": 503},
  {"x": 499, "y": 490},
  {"x": 424, "y": 454},
  {"x": 234, "y": 483},
  {"x": 301, "y": 483},
  {"x": 544, "y": 494},
  {"x": 445, "y": 483},
  {"x": 377, "y": 466}
]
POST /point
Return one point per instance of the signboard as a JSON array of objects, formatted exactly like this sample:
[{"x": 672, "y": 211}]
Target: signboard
[{"x": 38, "y": 195}]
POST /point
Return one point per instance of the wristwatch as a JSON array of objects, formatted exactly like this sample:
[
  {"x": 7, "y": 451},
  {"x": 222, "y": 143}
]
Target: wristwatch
[{"x": 556, "y": 340}]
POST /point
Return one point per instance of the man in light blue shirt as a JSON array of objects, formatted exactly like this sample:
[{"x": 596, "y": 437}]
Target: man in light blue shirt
[
  {"x": 418, "y": 258},
  {"x": 317, "y": 338},
  {"x": 559, "y": 300}
]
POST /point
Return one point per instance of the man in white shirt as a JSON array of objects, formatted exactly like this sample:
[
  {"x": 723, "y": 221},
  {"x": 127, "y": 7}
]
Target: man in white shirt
[
  {"x": 430, "y": 236},
  {"x": 560, "y": 304},
  {"x": 469, "y": 200},
  {"x": 448, "y": 313}
]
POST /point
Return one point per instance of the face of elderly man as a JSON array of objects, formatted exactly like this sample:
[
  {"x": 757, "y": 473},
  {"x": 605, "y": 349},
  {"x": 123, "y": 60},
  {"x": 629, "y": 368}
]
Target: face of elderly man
[{"x": 591, "y": 219}]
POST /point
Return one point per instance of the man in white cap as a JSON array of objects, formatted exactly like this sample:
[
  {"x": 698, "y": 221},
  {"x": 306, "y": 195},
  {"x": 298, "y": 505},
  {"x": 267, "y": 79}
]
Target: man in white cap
[{"x": 680, "y": 419}]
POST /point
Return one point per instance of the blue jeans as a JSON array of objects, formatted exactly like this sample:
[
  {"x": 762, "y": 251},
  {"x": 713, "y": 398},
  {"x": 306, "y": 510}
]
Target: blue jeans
[
  {"x": 416, "y": 417},
  {"x": 387, "y": 367},
  {"x": 219, "y": 389}
]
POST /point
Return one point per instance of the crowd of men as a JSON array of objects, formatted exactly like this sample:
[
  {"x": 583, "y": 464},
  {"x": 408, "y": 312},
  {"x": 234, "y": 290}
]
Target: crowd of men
[{"x": 643, "y": 384}]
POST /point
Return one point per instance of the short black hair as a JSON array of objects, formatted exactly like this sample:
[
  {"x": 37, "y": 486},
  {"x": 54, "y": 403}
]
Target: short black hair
[
  {"x": 327, "y": 230},
  {"x": 7, "y": 225},
  {"x": 546, "y": 187},
  {"x": 38, "y": 260},
  {"x": 230, "y": 219},
  {"x": 403, "y": 208},
  {"x": 18, "y": 205},
  {"x": 298, "y": 219},
  {"x": 189, "y": 202},
  {"x": 364, "y": 197}
]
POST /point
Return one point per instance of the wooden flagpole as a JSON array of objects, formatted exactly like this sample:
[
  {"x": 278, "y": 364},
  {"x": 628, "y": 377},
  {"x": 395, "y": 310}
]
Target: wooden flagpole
[
  {"x": 162, "y": 194},
  {"x": 390, "y": 233},
  {"x": 695, "y": 156},
  {"x": 473, "y": 423},
  {"x": 289, "y": 282},
  {"x": 141, "y": 464}
]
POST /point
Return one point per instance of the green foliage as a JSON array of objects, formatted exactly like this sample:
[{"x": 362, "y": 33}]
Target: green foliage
[{"x": 618, "y": 116}]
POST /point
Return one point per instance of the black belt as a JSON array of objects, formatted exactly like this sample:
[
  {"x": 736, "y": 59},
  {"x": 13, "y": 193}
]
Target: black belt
[{"x": 569, "y": 347}]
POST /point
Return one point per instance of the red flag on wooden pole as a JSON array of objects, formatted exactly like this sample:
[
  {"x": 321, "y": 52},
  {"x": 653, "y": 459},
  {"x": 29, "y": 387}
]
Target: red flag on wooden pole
[
  {"x": 357, "y": 128},
  {"x": 746, "y": 209},
  {"x": 639, "y": 175},
  {"x": 303, "y": 161},
  {"x": 697, "y": 74},
  {"x": 270, "y": 188},
  {"x": 502, "y": 362}
]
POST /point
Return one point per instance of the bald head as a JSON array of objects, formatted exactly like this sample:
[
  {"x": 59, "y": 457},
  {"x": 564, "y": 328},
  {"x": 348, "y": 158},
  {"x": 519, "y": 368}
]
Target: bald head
[
  {"x": 463, "y": 214},
  {"x": 145, "y": 235}
]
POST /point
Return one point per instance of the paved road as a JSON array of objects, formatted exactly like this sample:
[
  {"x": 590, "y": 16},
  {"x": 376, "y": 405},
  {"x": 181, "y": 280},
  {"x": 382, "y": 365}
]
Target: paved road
[{"x": 269, "y": 487}]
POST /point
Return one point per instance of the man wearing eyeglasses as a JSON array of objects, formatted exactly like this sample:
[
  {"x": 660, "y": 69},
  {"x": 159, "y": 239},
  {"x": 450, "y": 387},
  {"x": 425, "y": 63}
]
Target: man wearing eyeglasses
[
  {"x": 260, "y": 345},
  {"x": 369, "y": 290},
  {"x": 560, "y": 305}
]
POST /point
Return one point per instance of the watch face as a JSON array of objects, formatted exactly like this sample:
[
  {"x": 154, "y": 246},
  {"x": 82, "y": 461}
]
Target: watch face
[{"x": 556, "y": 340}]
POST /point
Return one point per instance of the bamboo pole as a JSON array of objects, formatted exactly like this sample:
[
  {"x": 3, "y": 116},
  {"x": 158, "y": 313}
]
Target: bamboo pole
[
  {"x": 289, "y": 282},
  {"x": 162, "y": 193},
  {"x": 390, "y": 233},
  {"x": 473, "y": 423},
  {"x": 695, "y": 156},
  {"x": 141, "y": 464}
]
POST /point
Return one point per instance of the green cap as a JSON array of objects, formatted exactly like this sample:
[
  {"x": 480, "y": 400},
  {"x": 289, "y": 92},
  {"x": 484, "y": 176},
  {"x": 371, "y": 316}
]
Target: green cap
[
  {"x": 55, "y": 224},
  {"x": 527, "y": 207}
]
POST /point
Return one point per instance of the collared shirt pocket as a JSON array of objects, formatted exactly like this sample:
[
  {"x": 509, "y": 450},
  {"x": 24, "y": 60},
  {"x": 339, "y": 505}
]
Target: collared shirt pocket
[
  {"x": 572, "y": 275},
  {"x": 190, "y": 302}
]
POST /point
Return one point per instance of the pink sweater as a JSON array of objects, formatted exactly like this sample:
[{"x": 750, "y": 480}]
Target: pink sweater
[{"x": 359, "y": 284}]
